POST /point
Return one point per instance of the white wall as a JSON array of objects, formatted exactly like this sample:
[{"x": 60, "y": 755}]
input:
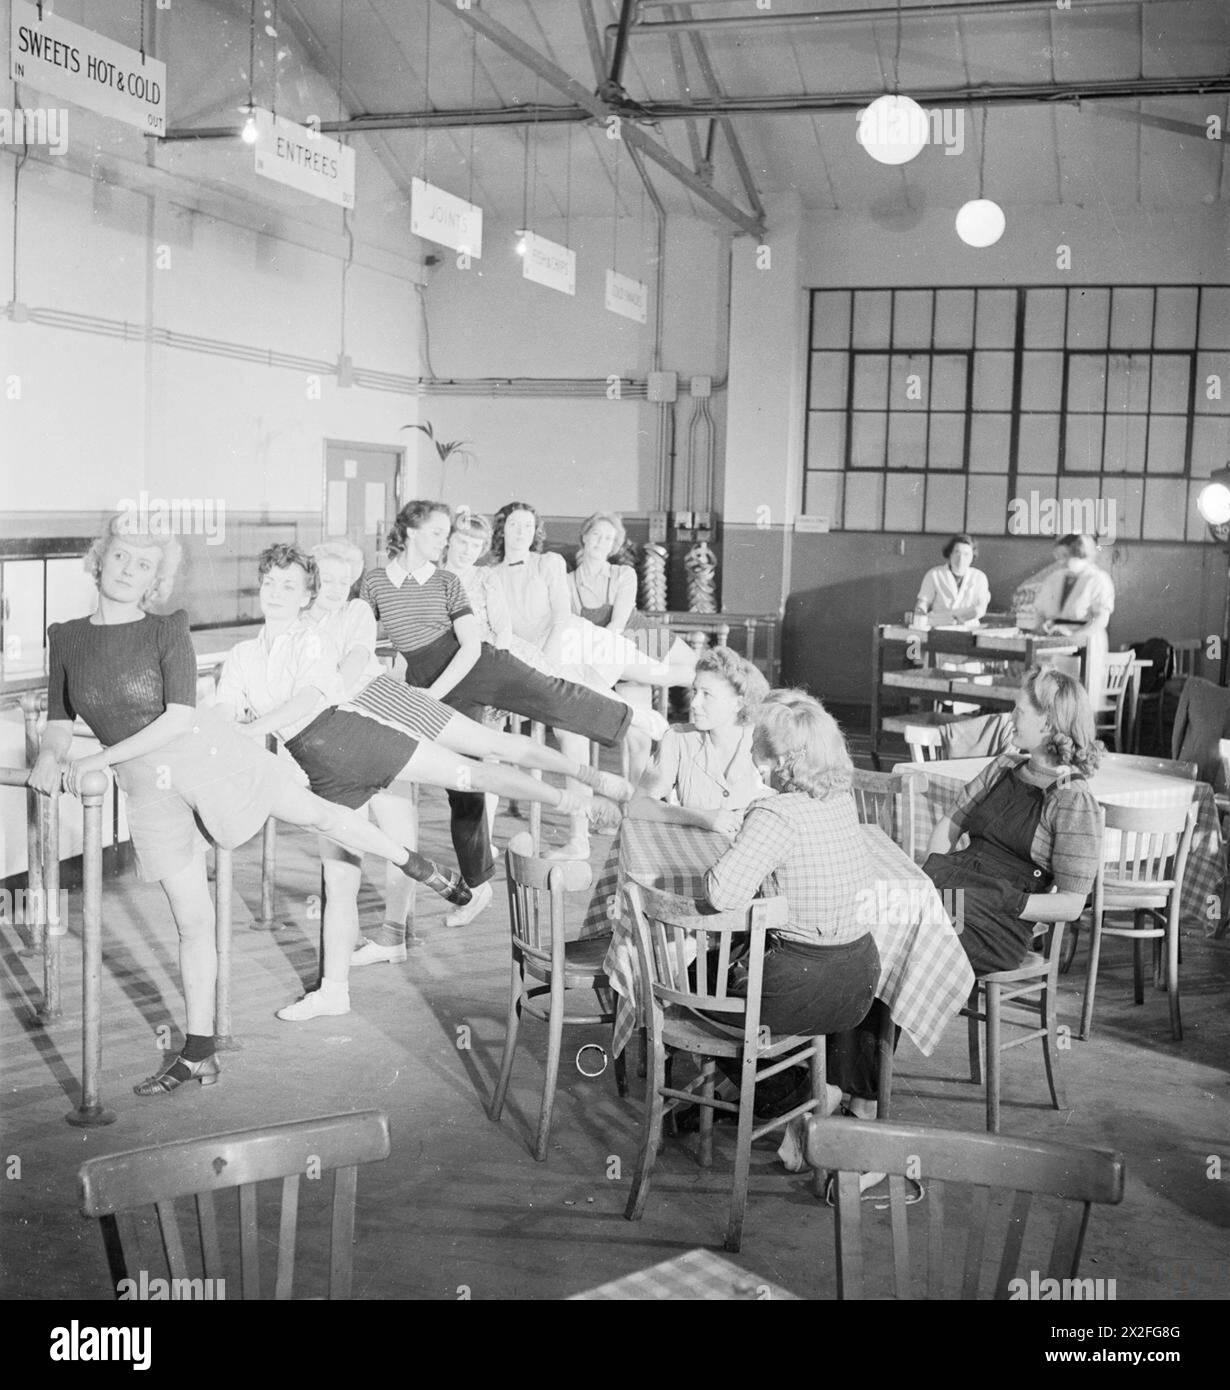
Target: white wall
[{"x": 199, "y": 246}]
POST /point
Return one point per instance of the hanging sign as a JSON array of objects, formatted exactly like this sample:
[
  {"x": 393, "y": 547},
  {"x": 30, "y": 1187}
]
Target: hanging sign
[
  {"x": 443, "y": 218},
  {"x": 550, "y": 264},
  {"x": 627, "y": 296},
  {"x": 303, "y": 158},
  {"x": 68, "y": 61}
]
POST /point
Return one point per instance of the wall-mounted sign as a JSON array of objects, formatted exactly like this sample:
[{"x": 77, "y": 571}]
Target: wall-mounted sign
[
  {"x": 303, "y": 158},
  {"x": 627, "y": 296},
  {"x": 441, "y": 217},
  {"x": 549, "y": 264},
  {"x": 71, "y": 62}
]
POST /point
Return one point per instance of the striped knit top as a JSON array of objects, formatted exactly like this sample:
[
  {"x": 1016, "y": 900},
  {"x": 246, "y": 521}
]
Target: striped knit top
[
  {"x": 119, "y": 677},
  {"x": 1066, "y": 843},
  {"x": 415, "y": 615}
]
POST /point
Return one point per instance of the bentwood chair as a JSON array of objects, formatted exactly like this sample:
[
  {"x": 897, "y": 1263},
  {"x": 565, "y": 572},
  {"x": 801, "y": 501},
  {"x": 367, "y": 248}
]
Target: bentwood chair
[
  {"x": 1109, "y": 720},
  {"x": 704, "y": 1018},
  {"x": 115, "y": 1187},
  {"x": 545, "y": 966},
  {"x": 961, "y": 1175},
  {"x": 892, "y": 801},
  {"x": 924, "y": 741},
  {"x": 1146, "y": 880},
  {"x": 1135, "y": 762}
]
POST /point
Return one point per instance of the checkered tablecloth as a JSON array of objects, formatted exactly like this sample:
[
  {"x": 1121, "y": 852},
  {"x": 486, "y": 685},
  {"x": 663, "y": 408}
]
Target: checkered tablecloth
[
  {"x": 925, "y": 976},
  {"x": 1116, "y": 786},
  {"x": 700, "y": 1274}
]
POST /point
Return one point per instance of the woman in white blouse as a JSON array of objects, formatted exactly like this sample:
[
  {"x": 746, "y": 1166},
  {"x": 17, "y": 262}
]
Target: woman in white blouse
[
  {"x": 1078, "y": 600},
  {"x": 955, "y": 592},
  {"x": 704, "y": 773}
]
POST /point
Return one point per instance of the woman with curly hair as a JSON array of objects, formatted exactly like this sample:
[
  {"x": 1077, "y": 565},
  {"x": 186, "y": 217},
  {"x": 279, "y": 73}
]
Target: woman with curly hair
[
  {"x": 704, "y": 773},
  {"x": 821, "y": 969},
  {"x": 1032, "y": 823},
  {"x": 131, "y": 675}
]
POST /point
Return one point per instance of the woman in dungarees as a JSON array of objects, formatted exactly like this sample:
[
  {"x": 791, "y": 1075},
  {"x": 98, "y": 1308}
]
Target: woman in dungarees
[{"x": 1034, "y": 825}]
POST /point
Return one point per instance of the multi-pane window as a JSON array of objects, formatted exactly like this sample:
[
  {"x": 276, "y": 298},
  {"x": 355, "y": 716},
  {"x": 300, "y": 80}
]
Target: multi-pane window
[{"x": 935, "y": 409}]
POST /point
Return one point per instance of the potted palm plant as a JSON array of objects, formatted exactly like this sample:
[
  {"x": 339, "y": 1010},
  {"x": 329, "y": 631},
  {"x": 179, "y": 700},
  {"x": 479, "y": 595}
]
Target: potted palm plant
[{"x": 447, "y": 450}]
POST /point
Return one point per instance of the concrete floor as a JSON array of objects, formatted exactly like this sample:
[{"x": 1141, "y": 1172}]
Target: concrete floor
[{"x": 462, "y": 1206}]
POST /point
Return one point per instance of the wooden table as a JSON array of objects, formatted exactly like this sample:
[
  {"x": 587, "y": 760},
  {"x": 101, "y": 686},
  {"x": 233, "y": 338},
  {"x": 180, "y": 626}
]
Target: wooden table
[
  {"x": 700, "y": 1274},
  {"x": 1117, "y": 786}
]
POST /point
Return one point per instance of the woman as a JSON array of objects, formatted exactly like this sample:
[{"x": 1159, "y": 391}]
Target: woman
[
  {"x": 955, "y": 592},
  {"x": 354, "y": 750},
  {"x": 821, "y": 969},
  {"x": 704, "y": 773},
  {"x": 1078, "y": 600},
  {"x": 131, "y": 675},
  {"x": 535, "y": 593},
  {"x": 427, "y": 616}
]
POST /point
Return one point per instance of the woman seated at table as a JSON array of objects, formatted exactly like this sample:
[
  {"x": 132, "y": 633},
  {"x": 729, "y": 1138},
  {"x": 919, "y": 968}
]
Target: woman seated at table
[
  {"x": 1032, "y": 822},
  {"x": 955, "y": 592},
  {"x": 822, "y": 968},
  {"x": 704, "y": 773}
]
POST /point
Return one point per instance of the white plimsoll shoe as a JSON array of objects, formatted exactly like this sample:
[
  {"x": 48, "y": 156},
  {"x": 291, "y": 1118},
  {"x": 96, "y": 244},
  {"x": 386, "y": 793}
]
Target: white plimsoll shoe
[
  {"x": 373, "y": 953},
  {"x": 574, "y": 849},
  {"x": 465, "y": 915},
  {"x": 317, "y": 1004}
]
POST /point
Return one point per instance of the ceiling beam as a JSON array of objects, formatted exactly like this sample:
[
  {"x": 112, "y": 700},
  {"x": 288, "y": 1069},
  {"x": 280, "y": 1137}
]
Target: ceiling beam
[
  {"x": 612, "y": 88},
  {"x": 803, "y": 103},
  {"x": 628, "y": 130}
]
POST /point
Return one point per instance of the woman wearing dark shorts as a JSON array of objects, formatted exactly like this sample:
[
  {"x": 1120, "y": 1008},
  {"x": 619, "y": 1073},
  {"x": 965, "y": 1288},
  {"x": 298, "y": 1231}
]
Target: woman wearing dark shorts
[
  {"x": 131, "y": 675},
  {"x": 428, "y": 618}
]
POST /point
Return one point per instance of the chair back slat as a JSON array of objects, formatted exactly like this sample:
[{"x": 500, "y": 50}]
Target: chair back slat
[
  {"x": 877, "y": 797},
  {"x": 901, "y": 1237},
  {"x": 172, "y": 1242},
  {"x": 115, "y": 1187},
  {"x": 207, "y": 1227},
  {"x": 936, "y": 1268},
  {"x": 341, "y": 1244},
  {"x": 914, "y": 819},
  {"x": 984, "y": 1162},
  {"x": 1153, "y": 841},
  {"x": 249, "y": 1244},
  {"x": 975, "y": 1241},
  {"x": 288, "y": 1226},
  {"x": 1018, "y": 1218},
  {"x": 1118, "y": 668},
  {"x": 1069, "y": 1240},
  {"x": 536, "y": 902}
]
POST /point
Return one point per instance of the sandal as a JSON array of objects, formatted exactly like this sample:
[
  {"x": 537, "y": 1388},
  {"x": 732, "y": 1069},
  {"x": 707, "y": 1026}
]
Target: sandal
[
  {"x": 873, "y": 1188},
  {"x": 207, "y": 1071}
]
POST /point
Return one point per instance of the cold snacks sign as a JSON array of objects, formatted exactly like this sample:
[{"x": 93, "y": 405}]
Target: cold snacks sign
[
  {"x": 304, "y": 159},
  {"x": 68, "y": 61}
]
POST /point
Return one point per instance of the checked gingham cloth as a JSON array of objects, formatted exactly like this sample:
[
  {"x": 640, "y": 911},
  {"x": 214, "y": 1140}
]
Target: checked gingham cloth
[
  {"x": 700, "y": 1274},
  {"x": 925, "y": 977},
  {"x": 1117, "y": 786}
]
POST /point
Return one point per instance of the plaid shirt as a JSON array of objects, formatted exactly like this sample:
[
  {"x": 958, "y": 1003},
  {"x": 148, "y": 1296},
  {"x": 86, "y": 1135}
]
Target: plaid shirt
[{"x": 816, "y": 853}]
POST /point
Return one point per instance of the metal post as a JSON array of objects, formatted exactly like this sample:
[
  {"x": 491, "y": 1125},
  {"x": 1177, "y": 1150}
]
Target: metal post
[
  {"x": 31, "y": 708},
  {"x": 49, "y": 909},
  {"x": 223, "y": 868},
  {"x": 91, "y": 1111}
]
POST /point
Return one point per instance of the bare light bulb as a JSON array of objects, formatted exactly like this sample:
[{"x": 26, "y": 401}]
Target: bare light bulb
[
  {"x": 893, "y": 129},
  {"x": 248, "y": 133}
]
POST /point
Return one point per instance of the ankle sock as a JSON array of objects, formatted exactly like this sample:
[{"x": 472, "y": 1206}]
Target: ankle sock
[
  {"x": 335, "y": 989},
  {"x": 197, "y": 1046},
  {"x": 386, "y": 934}
]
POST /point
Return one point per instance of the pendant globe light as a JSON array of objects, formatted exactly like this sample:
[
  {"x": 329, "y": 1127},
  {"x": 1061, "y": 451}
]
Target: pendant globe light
[
  {"x": 981, "y": 222},
  {"x": 893, "y": 129}
]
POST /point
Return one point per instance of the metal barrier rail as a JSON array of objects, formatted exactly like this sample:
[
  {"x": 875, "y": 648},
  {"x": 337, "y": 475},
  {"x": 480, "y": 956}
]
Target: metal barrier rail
[{"x": 43, "y": 885}]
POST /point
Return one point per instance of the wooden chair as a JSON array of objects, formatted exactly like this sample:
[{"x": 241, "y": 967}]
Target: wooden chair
[
  {"x": 544, "y": 963},
  {"x": 885, "y": 800},
  {"x": 1109, "y": 720},
  {"x": 1166, "y": 767},
  {"x": 679, "y": 1015},
  {"x": 115, "y": 1186},
  {"x": 1188, "y": 656},
  {"x": 1147, "y": 881},
  {"x": 925, "y": 742},
  {"x": 1034, "y": 987},
  {"x": 983, "y": 1164}
]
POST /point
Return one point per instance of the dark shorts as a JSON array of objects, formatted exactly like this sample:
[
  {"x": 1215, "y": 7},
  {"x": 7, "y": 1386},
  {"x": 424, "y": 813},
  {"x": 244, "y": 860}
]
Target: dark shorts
[{"x": 349, "y": 757}]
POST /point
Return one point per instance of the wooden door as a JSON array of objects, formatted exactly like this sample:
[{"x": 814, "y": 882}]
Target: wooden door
[{"x": 361, "y": 494}]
